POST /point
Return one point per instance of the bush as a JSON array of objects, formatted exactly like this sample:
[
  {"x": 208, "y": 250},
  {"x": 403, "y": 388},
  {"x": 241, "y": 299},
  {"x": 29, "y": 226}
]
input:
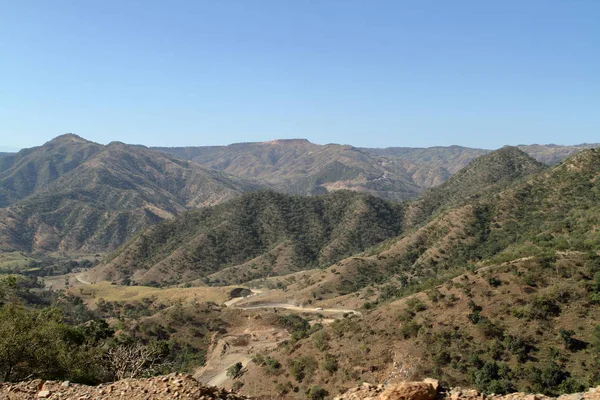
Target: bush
[
  {"x": 317, "y": 393},
  {"x": 321, "y": 340},
  {"x": 566, "y": 337},
  {"x": 234, "y": 370},
  {"x": 302, "y": 367},
  {"x": 330, "y": 364}
]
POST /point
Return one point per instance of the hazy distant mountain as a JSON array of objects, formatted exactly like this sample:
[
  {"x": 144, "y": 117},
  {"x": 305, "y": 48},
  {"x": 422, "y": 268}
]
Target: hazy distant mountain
[
  {"x": 74, "y": 195},
  {"x": 430, "y": 166},
  {"x": 552, "y": 154},
  {"x": 297, "y": 166},
  {"x": 36, "y": 168}
]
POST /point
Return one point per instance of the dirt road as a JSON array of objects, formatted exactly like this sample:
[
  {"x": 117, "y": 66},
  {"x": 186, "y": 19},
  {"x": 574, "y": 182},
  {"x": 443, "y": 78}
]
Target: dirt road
[{"x": 314, "y": 310}]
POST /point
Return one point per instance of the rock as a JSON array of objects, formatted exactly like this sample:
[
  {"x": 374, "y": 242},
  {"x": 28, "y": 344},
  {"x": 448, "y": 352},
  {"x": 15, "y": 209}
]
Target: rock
[
  {"x": 409, "y": 391},
  {"x": 44, "y": 394},
  {"x": 433, "y": 382},
  {"x": 65, "y": 384}
]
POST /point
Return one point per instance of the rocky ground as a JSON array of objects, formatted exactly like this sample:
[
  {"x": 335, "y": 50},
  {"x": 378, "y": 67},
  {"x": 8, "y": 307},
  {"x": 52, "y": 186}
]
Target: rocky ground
[
  {"x": 174, "y": 386},
  {"x": 429, "y": 389},
  {"x": 180, "y": 386}
]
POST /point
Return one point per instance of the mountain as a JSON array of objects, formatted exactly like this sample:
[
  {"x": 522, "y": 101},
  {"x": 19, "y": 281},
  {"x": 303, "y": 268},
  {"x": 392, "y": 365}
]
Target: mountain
[
  {"x": 484, "y": 174},
  {"x": 430, "y": 166},
  {"x": 36, "y": 168},
  {"x": 265, "y": 234},
  {"x": 297, "y": 166},
  {"x": 497, "y": 291},
  {"x": 255, "y": 235},
  {"x": 74, "y": 195}
]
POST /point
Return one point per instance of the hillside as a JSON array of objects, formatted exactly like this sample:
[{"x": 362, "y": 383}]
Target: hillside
[
  {"x": 256, "y": 235},
  {"x": 507, "y": 293},
  {"x": 74, "y": 195}
]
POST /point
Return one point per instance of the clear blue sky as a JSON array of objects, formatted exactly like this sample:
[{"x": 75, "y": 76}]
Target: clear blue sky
[{"x": 369, "y": 73}]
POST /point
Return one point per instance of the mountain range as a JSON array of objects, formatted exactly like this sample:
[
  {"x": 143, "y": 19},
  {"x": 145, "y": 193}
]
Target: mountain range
[{"x": 73, "y": 195}]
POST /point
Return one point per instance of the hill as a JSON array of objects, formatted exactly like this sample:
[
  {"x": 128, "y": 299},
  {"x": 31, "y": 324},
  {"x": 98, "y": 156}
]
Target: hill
[
  {"x": 256, "y": 235},
  {"x": 74, "y": 195}
]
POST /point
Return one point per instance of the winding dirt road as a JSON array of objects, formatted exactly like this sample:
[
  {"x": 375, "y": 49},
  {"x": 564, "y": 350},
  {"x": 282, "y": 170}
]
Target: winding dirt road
[{"x": 315, "y": 310}]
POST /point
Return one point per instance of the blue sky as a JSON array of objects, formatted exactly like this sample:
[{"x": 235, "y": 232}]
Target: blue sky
[{"x": 368, "y": 73}]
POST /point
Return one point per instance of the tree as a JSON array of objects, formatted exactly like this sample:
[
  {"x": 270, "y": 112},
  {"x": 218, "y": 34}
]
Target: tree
[{"x": 131, "y": 360}]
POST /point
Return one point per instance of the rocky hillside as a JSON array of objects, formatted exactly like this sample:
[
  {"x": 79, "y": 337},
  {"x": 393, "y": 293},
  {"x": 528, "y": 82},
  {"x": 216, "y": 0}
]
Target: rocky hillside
[
  {"x": 430, "y": 389},
  {"x": 255, "y": 235},
  {"x": 74, "y": 195}
]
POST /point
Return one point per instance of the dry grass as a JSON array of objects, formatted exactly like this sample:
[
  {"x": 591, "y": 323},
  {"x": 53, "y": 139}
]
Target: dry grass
[{"x": 108, "y": 292}]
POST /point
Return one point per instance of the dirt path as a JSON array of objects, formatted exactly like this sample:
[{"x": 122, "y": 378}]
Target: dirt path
[{"x": 80, "y": 279}]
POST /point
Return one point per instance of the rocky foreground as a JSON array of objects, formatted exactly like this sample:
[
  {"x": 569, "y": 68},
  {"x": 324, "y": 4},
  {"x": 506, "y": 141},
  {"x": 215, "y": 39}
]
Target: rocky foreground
[
  {"x": 174, "y": 386},
  {"x": 181, "y": 386},
  {"x": 430, "y": 389}
]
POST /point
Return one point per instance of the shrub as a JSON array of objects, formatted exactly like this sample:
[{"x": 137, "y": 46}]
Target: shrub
[
  {"x": 317, "y": 393},
  {"x": 302, "y": 367},
  {"x": 330, "y": 364},
  {"x": 234, "y": 370},
  {"x": 321, "y": 340}
]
